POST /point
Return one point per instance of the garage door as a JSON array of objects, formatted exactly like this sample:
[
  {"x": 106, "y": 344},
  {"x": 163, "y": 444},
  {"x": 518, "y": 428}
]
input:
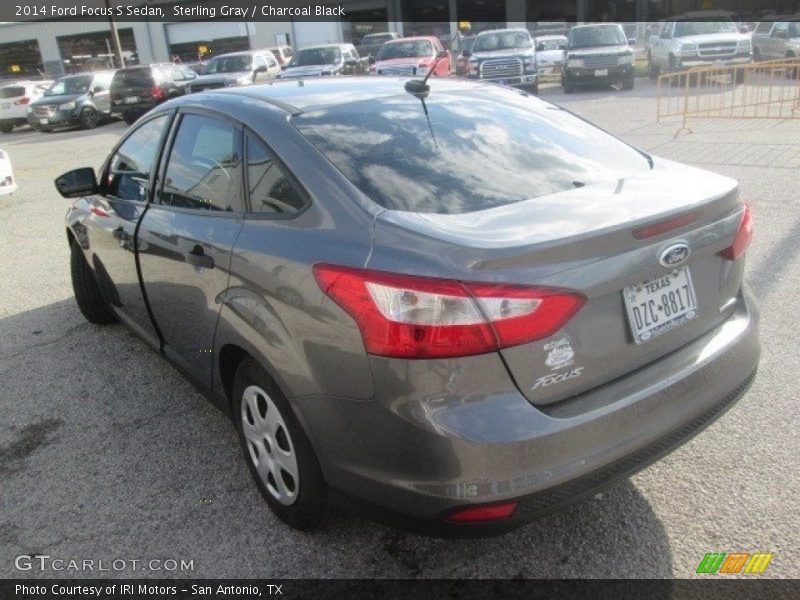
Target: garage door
[
  {"x": 311, "y": 33},
  {"x": 186, "y": 40}
]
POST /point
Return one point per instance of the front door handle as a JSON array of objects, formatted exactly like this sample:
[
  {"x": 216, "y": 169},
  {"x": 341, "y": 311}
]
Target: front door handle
[{"x": 198, "y": 258}]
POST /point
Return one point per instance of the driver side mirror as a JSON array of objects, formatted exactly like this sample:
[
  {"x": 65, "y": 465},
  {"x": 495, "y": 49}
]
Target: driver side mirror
[
  {"x": 744, "y": 29},
  {"x": 77, "y": 183}
]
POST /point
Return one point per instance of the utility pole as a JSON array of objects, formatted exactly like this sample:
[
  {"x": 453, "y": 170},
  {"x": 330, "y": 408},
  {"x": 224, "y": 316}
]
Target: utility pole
[{"x": 115, "y": 35}]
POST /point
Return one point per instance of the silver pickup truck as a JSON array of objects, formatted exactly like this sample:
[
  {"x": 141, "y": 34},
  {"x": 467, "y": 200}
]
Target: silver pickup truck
[
  {"x": 683, "y": 44},
  {"x": 775, "y": 40}
]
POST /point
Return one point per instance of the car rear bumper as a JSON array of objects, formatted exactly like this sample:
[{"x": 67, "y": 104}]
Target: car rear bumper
[
  {"x": 590, "y": 76},
  {"x": 59, "y": 118},
  {"x": 415, "y": 457},
  {"x": 526, "y": 79}
]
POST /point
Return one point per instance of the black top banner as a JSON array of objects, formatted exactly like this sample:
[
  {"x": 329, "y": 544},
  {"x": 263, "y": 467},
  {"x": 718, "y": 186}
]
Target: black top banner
[{"x": 502, "y": 11}]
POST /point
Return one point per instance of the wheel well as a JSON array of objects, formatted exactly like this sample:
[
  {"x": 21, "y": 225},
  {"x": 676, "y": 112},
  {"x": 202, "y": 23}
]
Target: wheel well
[{"x": 230, "y": 356}]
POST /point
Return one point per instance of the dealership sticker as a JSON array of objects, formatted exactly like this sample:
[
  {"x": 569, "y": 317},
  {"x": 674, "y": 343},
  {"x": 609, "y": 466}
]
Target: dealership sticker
[{"x": 559, "y": 354}]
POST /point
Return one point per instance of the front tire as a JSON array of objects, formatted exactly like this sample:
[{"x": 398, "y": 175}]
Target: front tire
[
  {"x": 277, "y": 451},
  {"x": 652, "y": 70},
  {"x": 6, "y": 128},
  {"x": 89, "y": 118},
  {"x": 87, "y": 292}
]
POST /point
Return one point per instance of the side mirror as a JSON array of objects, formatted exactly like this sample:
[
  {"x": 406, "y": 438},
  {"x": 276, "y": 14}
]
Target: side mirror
[
  {"x": 284, "y": 67},
  {"x": 744, "y": 29},
  {"x": 466, "y": 53},
  {"x": 540, "y": 47},
  {"x": 77, "y": 183},
  {"x": 631, "y": 41},
  {"x": 664, "y": 35}
]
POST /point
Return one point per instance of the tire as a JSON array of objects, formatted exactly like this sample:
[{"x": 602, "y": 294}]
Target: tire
[
  {"x": 89, "y": 118},
  {"x": 130, "y": 118},
  {"x": 6, "y": 128},
  {"x": 627, "y": 84},
  {"x": 87, "y": 293},
  {"x": 301, "y": 499},
  {"x": 532, "y": 89}
]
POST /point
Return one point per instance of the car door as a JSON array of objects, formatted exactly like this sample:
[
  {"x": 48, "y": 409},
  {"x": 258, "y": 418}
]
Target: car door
[
  {"x": 778, "y": 40},
  {"x": 100, "y": 92},
  {"x": 126, "y": 184},
  {"x": 187, "y": 234}
]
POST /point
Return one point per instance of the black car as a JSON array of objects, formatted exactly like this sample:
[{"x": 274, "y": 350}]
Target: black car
[
  {"x": 136, "y": 90},
  {"x": 598, "y": 55},
  {"x": 81, "y": 100}
]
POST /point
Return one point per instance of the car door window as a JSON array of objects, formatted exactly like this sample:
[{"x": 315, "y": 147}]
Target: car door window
[
  {"x": 129, "y": 170},
  {"x": 270, "y": 190},
  {"x": 204, "y": 166},
  {"x": 763, "y": 27}
]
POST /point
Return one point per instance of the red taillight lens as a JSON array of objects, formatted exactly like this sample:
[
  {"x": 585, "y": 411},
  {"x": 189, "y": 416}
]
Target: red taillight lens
[
  {"x": 419, "y": 317},
  {"x": 655, "y": 229},
  {"x": 156, "y": 92},
  {"x": 744, "y": 236},
  {"x": 477, "y": 514},
  {"x": 21, "y": 101}
]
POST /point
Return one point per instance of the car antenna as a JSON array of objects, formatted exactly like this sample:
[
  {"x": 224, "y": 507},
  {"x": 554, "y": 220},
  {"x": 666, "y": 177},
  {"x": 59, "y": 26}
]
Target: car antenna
[{"x": 417, "y": 87}]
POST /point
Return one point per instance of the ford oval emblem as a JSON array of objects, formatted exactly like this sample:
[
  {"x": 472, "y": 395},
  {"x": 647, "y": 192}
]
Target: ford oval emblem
[{"x": 675, "y": 255}]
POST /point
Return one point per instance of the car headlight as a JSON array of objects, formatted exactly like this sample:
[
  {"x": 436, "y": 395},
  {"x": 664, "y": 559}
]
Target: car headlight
[
  {"x": 626, "y": 59},
  {"x": 689, "y": 49},
  {"x": 67, "y": 106},
  {"x": 575, "y": 63}
]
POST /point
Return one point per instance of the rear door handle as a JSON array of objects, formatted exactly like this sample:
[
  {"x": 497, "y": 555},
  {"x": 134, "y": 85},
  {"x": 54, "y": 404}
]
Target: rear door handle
[{"x": 198, "y": 258}]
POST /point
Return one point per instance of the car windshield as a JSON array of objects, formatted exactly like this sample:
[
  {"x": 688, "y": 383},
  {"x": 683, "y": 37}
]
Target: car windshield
[
  {"x": 78, "y": 84},
  {"x": 684, "y": 28},
  {"x": 316, "y": 56},
  {"x": 600, "y": 35},
  {"x": 506, "y": 40},
  {"x": 480, "y": 149},
  {"x": 405, "y": 49},
  {"x": 551, "y": 44},
  {"x": 229, "y": 64}
]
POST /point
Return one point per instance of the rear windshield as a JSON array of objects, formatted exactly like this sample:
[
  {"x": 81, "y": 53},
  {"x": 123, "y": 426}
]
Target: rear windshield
[
  {"x": 479, "y": 150},
  {"x": 133, "y": 77},
  {"x": 597, "y": 35},
  {"x": 12, "y": 92},
  {"x": 405, "y": 49},
  {"x": 77, "y": 84},
  {"x": 502, "y": 40}
]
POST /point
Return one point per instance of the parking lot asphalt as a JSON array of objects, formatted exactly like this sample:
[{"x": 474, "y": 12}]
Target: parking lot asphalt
[{"x": 106, "y": 452}]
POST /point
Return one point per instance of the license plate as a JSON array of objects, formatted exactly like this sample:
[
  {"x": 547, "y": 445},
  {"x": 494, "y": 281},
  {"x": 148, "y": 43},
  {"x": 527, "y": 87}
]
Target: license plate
[
  {"x": 659, "y": 305},
  {"x": 601, "y": 72},
  {"x": 43, "y": 121},
  {"x": 131, "y": 99}
]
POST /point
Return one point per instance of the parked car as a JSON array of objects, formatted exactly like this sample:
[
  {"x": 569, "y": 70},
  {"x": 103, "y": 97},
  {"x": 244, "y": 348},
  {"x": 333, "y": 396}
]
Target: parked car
[
  {"x": 136, "y": 90},
  {"x": 75, "y": 100},
  {"x": 8, "y": 185},
  {"x": 466, "y": 42},
  {"x": 775, "y": 40},
  {"x": 598, "y": 55},
  {"x": 283, "y": 54},
  {"x": 412, "y": 56},
  {"x": 372, "y": 42},
  {"x": 329, "y": 59},
  {"x": 504, "y": 56},
  {"x": 14, "y": 100},
  {"x": 550, "y": 51},
  {"x": 520, "y": 308},
  {"x": 690, "y": 42},
  {"x": 237, "y": 68}
]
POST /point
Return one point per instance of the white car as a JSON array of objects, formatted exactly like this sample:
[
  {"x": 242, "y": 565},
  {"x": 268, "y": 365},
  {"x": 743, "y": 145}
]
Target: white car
[
  {"x": 8, "y": 185},
  {"x": 550, "y": 54},
  {"x": 14, "y": 100}
]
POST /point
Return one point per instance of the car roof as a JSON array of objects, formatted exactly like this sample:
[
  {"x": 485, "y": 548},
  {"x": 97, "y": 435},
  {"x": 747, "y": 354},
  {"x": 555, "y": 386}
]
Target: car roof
[
  {"x": 414, "y": 38},
  {"x": 505, "y": 30},
  {"x": 316, "y": 46},
  {"x": 307, "y": 95},
  {"x": 592, "y": 25}
]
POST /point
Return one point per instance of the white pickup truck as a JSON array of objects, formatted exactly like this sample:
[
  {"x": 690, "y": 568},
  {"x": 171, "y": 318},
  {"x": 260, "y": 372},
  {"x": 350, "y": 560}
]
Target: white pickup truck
[{"x": 683, "y": 44}]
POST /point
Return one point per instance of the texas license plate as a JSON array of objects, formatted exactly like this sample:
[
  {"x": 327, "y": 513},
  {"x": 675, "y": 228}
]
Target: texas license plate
[
  {"x": 659, "y": 305},
  {"x": 131, "y": 99},
  {"x": 600, "y": 72},
  {"x": 43, "y": 121}
]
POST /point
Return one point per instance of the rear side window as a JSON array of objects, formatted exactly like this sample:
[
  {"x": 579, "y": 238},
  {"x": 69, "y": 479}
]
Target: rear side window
[
  {"x": 477, "y": 150},
  {"x": 270, "y": 190},
  {"x": 204, "y": 168},
  {"x": 130, "y": 167},
  {"x": 12, "y": 92}
]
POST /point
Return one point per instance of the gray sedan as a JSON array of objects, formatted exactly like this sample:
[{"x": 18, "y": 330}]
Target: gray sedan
[{"x": 460, "y": 307}]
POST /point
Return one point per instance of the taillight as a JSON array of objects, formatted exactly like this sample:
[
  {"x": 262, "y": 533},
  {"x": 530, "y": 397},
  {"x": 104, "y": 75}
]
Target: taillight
[
  {"x": 478, "y": 514},
  {"x": 419, "y": 317},
  {"x": 22, "y": 101},
  {"x": 157, "y": 93},
  {"x": 660, "y": 227},
  {"x": 744, "y": 235}
]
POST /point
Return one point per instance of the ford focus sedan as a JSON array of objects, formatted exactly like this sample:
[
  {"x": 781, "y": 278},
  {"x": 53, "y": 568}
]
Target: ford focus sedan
[{"x": 457, "y": 308}]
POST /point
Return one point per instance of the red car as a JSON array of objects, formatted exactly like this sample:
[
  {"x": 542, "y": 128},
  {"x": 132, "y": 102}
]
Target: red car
[{"x": 412, "y": 56}]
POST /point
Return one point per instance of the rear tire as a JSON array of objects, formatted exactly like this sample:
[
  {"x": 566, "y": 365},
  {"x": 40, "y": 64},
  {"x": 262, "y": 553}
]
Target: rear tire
[
  {"x": 89, "y": 118},
  {"x": 274, "y": 445},
  {"x": 87, "y": 292},
  {"x": 6, "y": 128}
]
